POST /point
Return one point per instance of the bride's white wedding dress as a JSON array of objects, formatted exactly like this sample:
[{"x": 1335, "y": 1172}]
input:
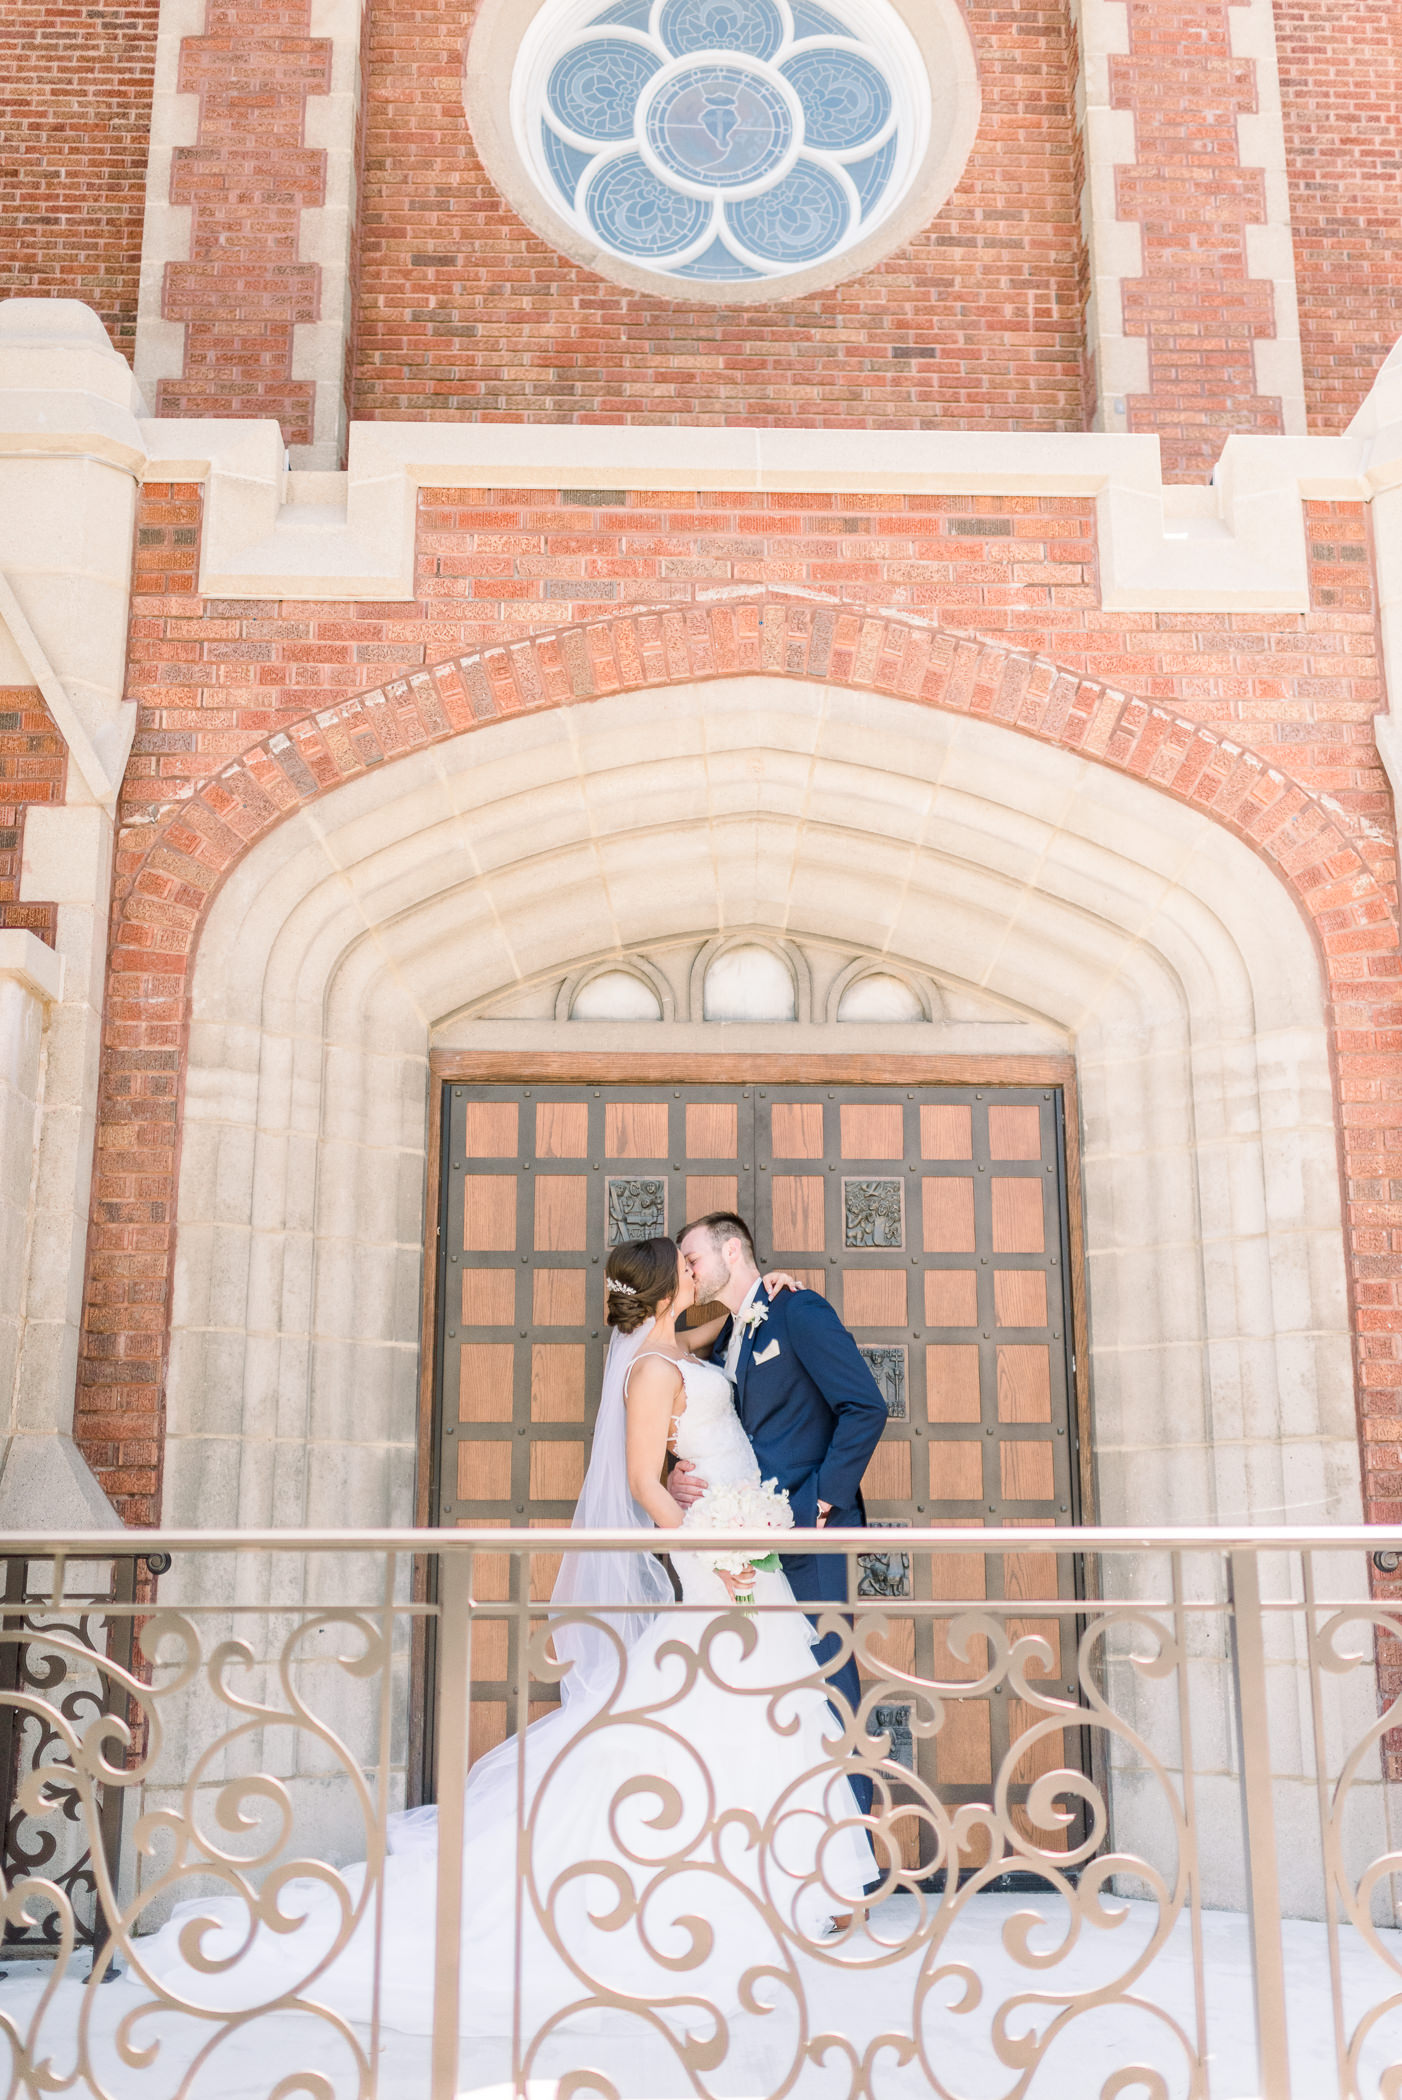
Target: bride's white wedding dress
[{"x": 690, "y": 1807}]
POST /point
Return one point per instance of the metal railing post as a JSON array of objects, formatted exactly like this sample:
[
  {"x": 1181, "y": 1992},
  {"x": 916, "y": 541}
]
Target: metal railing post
[
  {"x": 1258, "y": 1823},
  {"x": 454, "y": 1691}
]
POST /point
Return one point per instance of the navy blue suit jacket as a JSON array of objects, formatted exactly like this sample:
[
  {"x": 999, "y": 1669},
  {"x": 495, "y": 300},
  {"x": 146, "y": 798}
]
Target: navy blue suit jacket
[{"x": 812, "y": 1409}]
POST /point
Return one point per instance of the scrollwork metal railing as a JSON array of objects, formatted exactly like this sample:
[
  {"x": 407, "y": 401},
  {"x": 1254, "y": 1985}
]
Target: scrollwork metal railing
[
  {"x": 65, "y": 1666},
  {"x": 1092, "y": 1805}
]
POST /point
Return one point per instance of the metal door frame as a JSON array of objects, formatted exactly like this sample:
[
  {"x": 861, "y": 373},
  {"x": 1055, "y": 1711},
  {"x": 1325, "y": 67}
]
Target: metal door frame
[{"x": 693, "y": 1068}]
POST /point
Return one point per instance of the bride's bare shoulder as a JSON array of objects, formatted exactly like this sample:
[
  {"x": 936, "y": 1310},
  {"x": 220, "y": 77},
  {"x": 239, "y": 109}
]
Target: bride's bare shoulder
[{"x": 654, "y": 1373}]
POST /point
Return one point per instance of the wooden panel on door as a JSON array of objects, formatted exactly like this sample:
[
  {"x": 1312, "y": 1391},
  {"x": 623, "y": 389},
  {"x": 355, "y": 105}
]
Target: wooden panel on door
[
  {"x": 558, "y": 1297},
  {"x": 486, "y": 1727},
  {"x": 798, "y": 1214},
  {"x": 953, "y": 1392},
  {"x": 797, "y": 1130},
  {"x": 562, "y": 1130},
  {"x": 887, "y": 1477},
  {"x": 947, "y": 1131},
  {"x": 1024, "y": 1382},
  {"x": 708, "y": 1192},
  {"x": 635, "y": 1130},
  {"x": 489, "y": 1131},
  {"x": 557, "y": 1472},
  {"x": 557, "y": 1382},
  {"x": 871, "y": 1131},
  {"x": 1028, "y": 1470},
  {"x": 544, "y": 1566},
  {"x": 561, "y": 1213},
  {"x": 488, "y": 1297},
  {"x": 951, "y": 1297},
  {"x": 1020, "y": 1297},
  {"x": 489, "y": 1213},
  {"x": 947, "y": 1204},
  {"x": 956, "y": 1470},
  {"x": 1015, "y": 1132},
  {"x": 1017, "y": 1215},
  {"x": 874, "y": 1297},
  {"x": 484, "y": 1471},
  {"x": 486, "y": 1370},
  {"x": 712, "y": 1130}
]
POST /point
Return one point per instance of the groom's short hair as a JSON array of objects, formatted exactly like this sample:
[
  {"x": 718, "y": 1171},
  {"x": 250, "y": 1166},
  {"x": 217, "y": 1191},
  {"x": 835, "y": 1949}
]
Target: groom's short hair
[{"x": 722, "y": 1225}]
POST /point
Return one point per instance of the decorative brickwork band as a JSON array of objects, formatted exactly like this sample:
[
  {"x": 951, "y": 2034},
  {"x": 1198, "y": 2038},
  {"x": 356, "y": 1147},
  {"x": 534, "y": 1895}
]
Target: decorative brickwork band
[{"x": 168, "y": 874}]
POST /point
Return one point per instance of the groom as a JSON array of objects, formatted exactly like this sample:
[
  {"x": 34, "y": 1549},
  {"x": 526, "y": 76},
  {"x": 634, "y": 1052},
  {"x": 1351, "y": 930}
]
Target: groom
[{"x": 808, "y": 1403}]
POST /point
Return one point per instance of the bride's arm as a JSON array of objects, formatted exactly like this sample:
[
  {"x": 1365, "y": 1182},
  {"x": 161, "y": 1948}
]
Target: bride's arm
[
  {"x": 695, "y": 1339},
  {"x": 654, "y": 1389}
]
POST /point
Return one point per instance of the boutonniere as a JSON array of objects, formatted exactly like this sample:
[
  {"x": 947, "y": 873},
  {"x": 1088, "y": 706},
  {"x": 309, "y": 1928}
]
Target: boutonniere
[{"x": 753, "y": 1318}]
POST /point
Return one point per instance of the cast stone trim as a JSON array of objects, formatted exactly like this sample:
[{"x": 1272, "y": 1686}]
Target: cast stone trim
[
  {"x": 326, "y": 232},
  {"x": 638, "y": 966},
  {"x": 1238, "y": 546},
  {"x": 70, "y": 451},
  {"x": 1114, "y": 246},
  {"x": 1270, "y": 248},
  {"x": 41, "y": 1470},
  {"x": 792, "y": 958},
  {"x": 101, "y": 771},
  {"x": 70, "y": 455},
  {"x": 1378, "y": 426},
  {"x": 876, "y": 966},
  {"x": 31, "y": 963},
  {"x": 167, "y": 229}
]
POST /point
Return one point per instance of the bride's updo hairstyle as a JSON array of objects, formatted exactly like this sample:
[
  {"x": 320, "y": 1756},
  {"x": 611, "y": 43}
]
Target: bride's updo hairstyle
[{"x": 640, "y": 1274}]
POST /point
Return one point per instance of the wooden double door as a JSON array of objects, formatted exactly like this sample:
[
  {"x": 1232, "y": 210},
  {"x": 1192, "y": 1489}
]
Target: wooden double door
[{"x": 936, "y": 1220}]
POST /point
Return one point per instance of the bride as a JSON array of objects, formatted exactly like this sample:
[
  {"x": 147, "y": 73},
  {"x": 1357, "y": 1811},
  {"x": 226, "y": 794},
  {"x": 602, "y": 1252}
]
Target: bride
[{"x": 686, "y": 1826}]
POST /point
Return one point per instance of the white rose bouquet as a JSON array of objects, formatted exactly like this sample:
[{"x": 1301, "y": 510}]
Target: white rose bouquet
[{"x": 743, "y": 1508}]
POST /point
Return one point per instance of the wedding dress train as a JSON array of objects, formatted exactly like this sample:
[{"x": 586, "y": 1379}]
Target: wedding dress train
[{"x": 686, "y": 1827}]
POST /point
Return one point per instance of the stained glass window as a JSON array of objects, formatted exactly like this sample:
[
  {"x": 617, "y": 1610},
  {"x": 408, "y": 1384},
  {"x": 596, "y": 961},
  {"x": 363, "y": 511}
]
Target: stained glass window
[{"x": 727, "y": 140}]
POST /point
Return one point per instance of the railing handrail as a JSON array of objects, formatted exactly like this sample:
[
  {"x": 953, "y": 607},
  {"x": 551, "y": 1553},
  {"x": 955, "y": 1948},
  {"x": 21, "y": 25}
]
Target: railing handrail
[{"x": 1069, "y": 1538}]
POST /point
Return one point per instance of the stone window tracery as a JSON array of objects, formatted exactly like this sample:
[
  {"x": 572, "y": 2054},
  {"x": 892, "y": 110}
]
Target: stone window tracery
[{"x": 722, "y": 141}]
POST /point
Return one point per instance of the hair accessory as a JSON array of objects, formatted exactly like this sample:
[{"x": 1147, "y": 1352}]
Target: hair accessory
[{"x": 624, "y": 1290}]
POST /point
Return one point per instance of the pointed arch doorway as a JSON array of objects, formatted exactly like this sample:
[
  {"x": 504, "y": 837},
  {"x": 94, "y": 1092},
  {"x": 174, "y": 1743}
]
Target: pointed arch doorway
[{"x": 439, "y": 905}]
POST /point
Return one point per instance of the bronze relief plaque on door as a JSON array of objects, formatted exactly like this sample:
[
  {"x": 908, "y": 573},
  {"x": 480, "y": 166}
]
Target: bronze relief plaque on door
[{"x": 934, "y": 1218}]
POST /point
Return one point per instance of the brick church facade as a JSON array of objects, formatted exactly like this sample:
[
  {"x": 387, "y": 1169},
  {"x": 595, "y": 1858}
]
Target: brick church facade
[{"x": 414, "y": 615}]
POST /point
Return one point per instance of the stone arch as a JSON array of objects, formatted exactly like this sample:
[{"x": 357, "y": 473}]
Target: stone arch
[
  {"x": 789, "y": 958},
  {"x": 1161, "y": 949},
  {"x": 862, "y": 969},
  {"x": 638, "y": 967},
  {"x": 169, "y": 878}
]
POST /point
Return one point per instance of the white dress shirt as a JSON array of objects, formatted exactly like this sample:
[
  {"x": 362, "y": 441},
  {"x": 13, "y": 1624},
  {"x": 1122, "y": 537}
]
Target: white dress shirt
[{"x": 737, "y": 1332}]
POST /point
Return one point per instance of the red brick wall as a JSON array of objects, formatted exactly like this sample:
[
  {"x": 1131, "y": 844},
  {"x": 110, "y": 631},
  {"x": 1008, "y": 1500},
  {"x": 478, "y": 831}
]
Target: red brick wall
[
  {"x": 215, "y": 676},
  {"x": 615, "y": 596},
  {"x": 466, "y": 314},
  {"x": 1341, "y": 87},
  {"x": 247, "y": 180},
  {"x": 75, "y": 114},
  {"x": 33, "y": 768}
]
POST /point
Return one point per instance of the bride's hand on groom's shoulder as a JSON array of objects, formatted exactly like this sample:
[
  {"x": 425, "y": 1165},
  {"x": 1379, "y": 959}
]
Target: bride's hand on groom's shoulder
[{"x": 779, "y": 1280}]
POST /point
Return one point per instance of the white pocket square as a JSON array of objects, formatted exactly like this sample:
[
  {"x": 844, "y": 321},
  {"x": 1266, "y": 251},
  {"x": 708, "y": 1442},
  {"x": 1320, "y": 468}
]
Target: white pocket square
[{"x": 765, "y": 1356}]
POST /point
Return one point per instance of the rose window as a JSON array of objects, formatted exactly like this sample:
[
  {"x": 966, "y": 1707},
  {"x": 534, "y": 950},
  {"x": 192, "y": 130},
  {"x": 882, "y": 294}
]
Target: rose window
[{"x": 721, "y": 140}]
